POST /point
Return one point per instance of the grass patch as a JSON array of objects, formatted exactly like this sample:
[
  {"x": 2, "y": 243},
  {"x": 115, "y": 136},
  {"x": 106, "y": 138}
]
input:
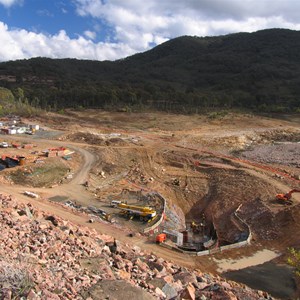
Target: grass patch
[
  {"x": 14, "y": 277},
  {"x": 40, "y": 176},
  {"x": 217, "y": 114}
]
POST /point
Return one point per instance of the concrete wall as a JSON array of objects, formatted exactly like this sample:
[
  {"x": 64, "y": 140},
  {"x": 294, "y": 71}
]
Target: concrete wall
[
  {"x": 227, "y": 247},
  {"x": 159, "y": 221}
]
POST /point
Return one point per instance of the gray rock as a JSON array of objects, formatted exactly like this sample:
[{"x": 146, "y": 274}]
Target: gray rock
[
  {"x": 169, "y": 291},
  {"x": 185, "y": 277}
]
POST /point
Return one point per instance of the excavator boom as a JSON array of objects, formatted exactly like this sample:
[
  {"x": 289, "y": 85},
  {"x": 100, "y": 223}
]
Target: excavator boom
[{"x": 287, "y": 198}]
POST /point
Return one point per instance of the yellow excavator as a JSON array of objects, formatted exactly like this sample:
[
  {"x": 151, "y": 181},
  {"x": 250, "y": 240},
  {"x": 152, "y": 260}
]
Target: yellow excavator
[
  {"x": 287, "y": 198},
  {"x": 198, "y": 227}
]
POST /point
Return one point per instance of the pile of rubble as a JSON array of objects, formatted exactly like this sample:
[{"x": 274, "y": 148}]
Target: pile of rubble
[
  {"x": 245, "y": 139},
  {"x": 285, "y": 153},
  {"x": 45, "y": 257},
  {"x": 96, "y": 139},
  {"x": 136, "y": 175}
]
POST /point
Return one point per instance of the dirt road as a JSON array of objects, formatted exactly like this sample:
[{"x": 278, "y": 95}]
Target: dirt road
[
  {"x": 152, "y": 163},
  {"x": 75, "y": 189}
]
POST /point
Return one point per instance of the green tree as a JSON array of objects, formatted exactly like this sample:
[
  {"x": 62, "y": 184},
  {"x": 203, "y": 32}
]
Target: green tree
[
  {"x": 19, "y": 94},
  {"x": 6, "y": 96}
]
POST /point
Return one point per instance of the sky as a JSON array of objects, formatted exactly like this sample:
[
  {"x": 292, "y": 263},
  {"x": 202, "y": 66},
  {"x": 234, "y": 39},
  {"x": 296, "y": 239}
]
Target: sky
[{"x": 114, "y": 29}]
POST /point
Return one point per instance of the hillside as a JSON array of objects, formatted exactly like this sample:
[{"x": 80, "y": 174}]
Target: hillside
[{"x": 257, "y": 70}]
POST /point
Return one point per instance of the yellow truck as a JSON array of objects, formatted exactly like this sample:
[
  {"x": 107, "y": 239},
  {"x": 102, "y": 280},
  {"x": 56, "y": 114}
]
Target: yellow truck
[{"x": 145, "y": 213}]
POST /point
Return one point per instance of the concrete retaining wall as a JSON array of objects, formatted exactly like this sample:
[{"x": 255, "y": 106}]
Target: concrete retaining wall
[
  {"x": 159, "y": 221},
  {"x": 205, "y": 252},
  {"x": 227, "y": 247}
]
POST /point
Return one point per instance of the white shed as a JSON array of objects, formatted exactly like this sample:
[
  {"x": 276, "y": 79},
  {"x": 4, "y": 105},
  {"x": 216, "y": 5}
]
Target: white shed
[{"x": 12, "y": 131}]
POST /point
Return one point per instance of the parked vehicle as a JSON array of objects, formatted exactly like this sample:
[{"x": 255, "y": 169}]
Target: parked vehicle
[
  {"x": 31, "y": 194},
  {"x": 160, "y": 238},
  {"x": 4, "y": 145},
  {"x": 287, "y": 198},
  {"x": 145, "y": 213}
]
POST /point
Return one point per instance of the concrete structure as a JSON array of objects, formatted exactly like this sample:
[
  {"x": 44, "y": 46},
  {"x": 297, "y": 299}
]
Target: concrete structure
[
  {"x": 12, "y": 131},
  {"x": 174, "y": 236}
]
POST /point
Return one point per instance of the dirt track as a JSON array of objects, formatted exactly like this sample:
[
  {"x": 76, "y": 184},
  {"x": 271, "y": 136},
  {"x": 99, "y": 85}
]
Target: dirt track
[{"x": 157, "y": 156}]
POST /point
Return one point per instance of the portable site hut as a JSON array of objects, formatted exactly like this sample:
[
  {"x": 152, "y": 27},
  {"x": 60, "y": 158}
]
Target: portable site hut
[{"x": 12, "y": 131}]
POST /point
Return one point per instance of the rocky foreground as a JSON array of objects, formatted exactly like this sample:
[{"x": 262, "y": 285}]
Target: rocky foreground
[{"x": 45, "y": 257}]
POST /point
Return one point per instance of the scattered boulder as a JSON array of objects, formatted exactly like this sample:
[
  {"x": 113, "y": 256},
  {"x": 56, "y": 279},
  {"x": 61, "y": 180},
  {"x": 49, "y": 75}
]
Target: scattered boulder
[{"x": 65, "y": 261}]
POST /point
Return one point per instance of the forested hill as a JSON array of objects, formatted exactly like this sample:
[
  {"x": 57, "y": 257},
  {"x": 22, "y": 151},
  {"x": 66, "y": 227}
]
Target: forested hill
[{"x": 258, "y": 70}]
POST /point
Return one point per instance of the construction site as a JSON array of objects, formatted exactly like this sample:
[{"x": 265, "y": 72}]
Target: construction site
[{"x": 221, "y": 188}]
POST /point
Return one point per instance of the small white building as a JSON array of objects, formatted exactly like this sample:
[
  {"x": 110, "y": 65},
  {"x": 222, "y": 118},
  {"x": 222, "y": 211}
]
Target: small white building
[{"x": 12, "y": 131}]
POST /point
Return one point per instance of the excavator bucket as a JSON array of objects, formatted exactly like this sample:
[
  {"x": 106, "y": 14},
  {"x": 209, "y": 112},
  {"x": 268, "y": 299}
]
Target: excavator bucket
[{"x": 283, "y": 199}]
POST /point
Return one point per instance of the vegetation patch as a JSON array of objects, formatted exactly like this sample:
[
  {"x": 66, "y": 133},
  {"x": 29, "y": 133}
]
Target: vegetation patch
[
  {"x": 14, "y": 277},
  {"x": 218, "y": 114},
  {"x": 40, "y": 176},
  {"x": 258, "y": 71}
]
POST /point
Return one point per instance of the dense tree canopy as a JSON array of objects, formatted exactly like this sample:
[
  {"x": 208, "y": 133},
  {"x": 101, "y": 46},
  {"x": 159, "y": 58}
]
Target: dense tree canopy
[{"x": 258, "y": 70}]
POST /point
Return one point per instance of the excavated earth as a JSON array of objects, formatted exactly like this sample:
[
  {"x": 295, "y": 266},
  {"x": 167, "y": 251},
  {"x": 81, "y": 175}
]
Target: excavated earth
[
  {"x": 200, "y": 166},
  {"x": 46, "y": 257}
]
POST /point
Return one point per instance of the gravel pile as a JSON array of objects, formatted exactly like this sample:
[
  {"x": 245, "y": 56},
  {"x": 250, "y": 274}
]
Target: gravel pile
[{"x": 285, "y": 153}]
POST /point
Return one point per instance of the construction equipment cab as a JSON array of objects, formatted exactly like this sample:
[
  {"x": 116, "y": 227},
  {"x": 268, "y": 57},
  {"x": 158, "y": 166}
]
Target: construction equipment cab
[
  {"x": 114, "y": 203},
  {"x": 287, "y": 198},
  {"x": 160, "y": 238}
]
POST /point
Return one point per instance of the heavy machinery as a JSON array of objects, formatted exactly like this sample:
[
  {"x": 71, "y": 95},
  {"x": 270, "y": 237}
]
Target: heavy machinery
[
  {"x": 160, "y": 238},
  {"x": 198, "y": 227},
  {"x": 145, "y": 213},
  {"x": 195, "y": 227},
  {"x": 31, "y": 194},
  {"x": 101, "y": 213},
  {"x": 287, "y": 198}
]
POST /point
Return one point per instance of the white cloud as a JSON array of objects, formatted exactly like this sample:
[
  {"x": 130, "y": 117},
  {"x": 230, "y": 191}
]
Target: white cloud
[
  {"x": 90, "y": 34},
  {"x": 135, "y": 25},
  {"x": 19, "y": 44},
  {"x": 44, "y": 13},
  {"x": 139, "y": 24},
  {"x": 8, "y": 3}
]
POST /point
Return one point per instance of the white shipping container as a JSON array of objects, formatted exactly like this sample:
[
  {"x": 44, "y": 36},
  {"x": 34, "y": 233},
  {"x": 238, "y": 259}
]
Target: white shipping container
[{"x": 12, "y": 131}]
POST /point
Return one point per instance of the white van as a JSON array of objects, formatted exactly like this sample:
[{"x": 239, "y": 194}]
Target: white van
[{"x": 4, "y": 145}]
